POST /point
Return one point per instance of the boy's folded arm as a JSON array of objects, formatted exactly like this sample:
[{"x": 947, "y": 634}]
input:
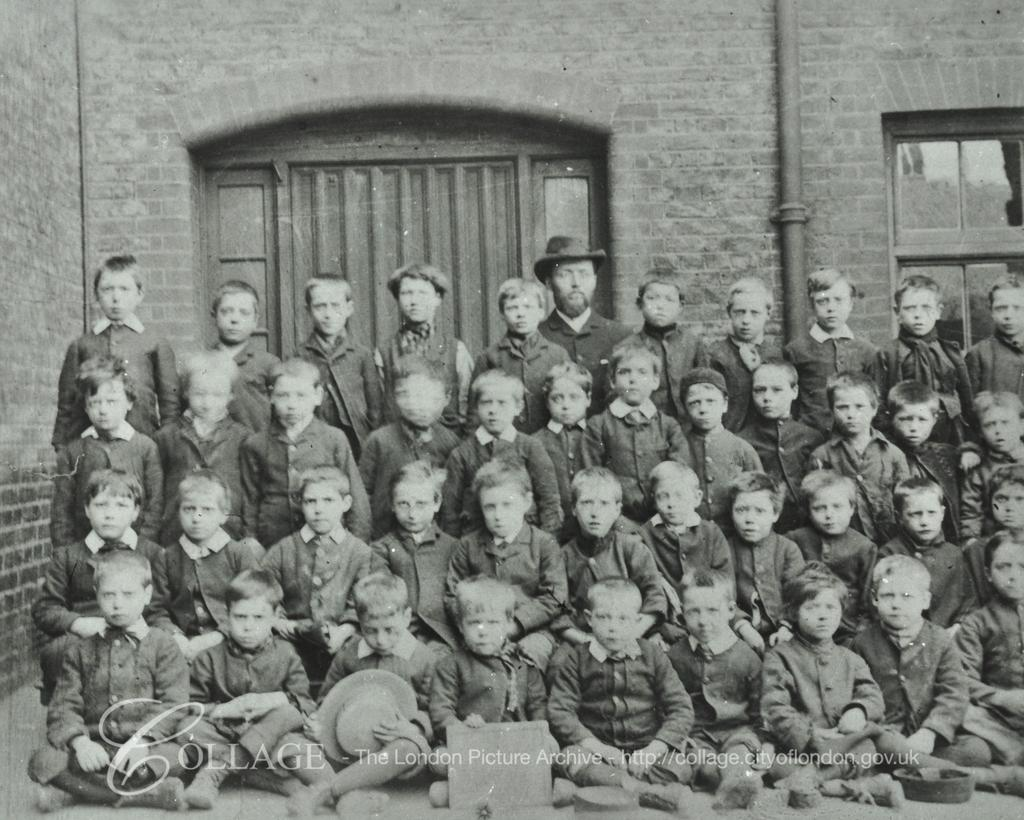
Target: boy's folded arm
[
  {"x": 785, "y": 722},
  {"x": 65, "y": 718},
  {"x": 970, "y": 645}
]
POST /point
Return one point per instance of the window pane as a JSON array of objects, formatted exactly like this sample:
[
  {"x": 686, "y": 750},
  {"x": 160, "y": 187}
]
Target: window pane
[
  {"x": 951, "y": 281},
  {"x": 980, "y": 279},
  {"x": 567, "y": 207},
  {"x": 928, "y": 185},
  {"x": 991, "y": 183}
]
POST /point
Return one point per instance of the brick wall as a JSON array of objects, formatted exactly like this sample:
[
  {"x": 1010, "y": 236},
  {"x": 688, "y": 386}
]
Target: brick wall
[{"x": 40, "y": 244}]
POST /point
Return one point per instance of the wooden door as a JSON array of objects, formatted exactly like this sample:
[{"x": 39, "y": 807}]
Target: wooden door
[{"x": 365, "y": 221}]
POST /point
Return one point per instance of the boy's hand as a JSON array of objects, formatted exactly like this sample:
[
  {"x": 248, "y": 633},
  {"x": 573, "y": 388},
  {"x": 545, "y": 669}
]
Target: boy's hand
[
  {"x": 185, "y": 645},
  {"x": 751, "y": 637},
  {"x": 285, "y": 628},
  {"x": 642, "y": 759},
  {"x": 1012, "y": 700},
  {"x": 852, "y": 720},
  {"x": 257, "y": 704},
  {"x": 575, "y": 635},
  {"x": 781, "y": 635},
  {"x": 91, "y": 755},
  {"x": 337, "y": 634},
  {"x": 474, "y": 721},
  {"x": 391, "y": 730},
  {"x": 923, "y": 741},
  {"x": 233, "y": 710},
  {"x": 952, "y": 630},
  {"x": 820, "y": 736},
  {"x": 86, "y": 627},
  {"x": 658, "y": 641},
  {"x": 969, "y": 460},
  {"x": 610, "y": 755},
  {"x": 311, "y": 728}
]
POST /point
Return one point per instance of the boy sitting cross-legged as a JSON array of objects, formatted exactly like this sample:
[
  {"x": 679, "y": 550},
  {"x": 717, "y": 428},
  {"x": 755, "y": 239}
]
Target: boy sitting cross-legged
[
  {"x": 618, "y": 708},
  {"x": 722, "y": 676},
  {"x": 419, "y": 552},
  {"x": 919, "y": 505},
  {"x": 253, "y": 696},
  {"x": 420, "y": 394},
  {"x": 317, "y": 567},
  {"x": 633, "y": 435},
  {"x": 497, "y": 400},
  {"x": 385, "y": 644},
  {"x": 830, "y": 498},
  {"x": 112, "y": 717},
  {"x": 783, "y": 444},
  {"x": 516, "y": 553},
  {"x": 193, "y": 574},
  {"x": 66, "y": 608},
  {"x": 1001, "y": 421}
]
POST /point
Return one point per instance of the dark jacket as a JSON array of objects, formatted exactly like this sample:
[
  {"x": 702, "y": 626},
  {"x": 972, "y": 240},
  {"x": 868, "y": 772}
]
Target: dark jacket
[
  {"x": 417, "y": 668},
  {"x": 761, "y": 571},
  {"x": 149, "y": 362},
  {"x": 952, "y": 589},
  {"x": 444, "y": 351},
  {"x": 678, "y": 350},
  {"x": 250, "y": 404},
  {"x": 991, "y": 643},
  {"x": 976, "y": 493},
  {"x": 725, "y": 688},
  {"x": 996, "y": 365},
  {"x": 565, "y": 449},
  {"x": 591, "y": 347},
  {"x": 724, "y": 357},
  {"x": 718, "y": 457},
  {"x": 940, "y": 463},
  {"x": 923, "y": 684}
]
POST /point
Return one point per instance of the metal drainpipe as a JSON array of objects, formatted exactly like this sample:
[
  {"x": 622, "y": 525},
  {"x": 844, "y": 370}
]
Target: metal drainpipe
[{"x": 791, "y": 214}]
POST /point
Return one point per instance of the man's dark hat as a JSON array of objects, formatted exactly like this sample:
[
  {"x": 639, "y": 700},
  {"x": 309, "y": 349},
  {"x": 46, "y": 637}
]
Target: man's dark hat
[{"x": 564, "y": 249}]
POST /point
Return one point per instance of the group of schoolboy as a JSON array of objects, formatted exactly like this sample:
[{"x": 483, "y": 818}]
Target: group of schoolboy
[{"x": 717, "y": 558}]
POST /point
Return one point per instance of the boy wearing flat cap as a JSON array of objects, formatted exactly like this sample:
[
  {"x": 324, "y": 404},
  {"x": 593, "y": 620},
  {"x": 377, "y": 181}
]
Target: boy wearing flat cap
[
  {"x": 419, "y": 289},
  {"x": 569, "y": 269}
]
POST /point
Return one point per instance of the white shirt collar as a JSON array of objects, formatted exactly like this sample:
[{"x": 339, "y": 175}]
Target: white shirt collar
[
  {"x": 218, "y": 541},
  {"x": 124, "y": 431},
  {"x": 337, "y": 535},
  {"x": 557, "y": 427},
  {"x": 620, "y": 409},
  {"x": 138, "y": 630},
  {"x": 600, "y": 654},
  {"x": 693, "y": 521},
  {"x": 404, "y": 647},
  {"x": 819, "y": 334},
  {"x": 485, "y": 438},
  {"x": 716, "y": 647},
  {"x": 132, "y": 323},
  {"x": 577, "y": 323},
  {"x": 94, "y": 543}
]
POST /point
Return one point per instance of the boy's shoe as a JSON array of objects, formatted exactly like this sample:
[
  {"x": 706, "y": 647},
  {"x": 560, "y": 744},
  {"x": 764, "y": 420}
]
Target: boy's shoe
[
  {"x": 203, "y": 791},
  {"x": 738, "y": 791},
  {"x": 49, "y": 798},
  {"x": 669, "y": 797},
  {"x": 269, "y": 780},
  {"x": 168, "y": 795},
  {"x": 1004, "y": 779},
  {"x": 876, "y": 790}
]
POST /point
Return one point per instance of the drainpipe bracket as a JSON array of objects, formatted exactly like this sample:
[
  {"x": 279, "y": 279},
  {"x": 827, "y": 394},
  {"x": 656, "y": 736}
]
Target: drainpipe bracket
[{"x": 790, "y": 212}]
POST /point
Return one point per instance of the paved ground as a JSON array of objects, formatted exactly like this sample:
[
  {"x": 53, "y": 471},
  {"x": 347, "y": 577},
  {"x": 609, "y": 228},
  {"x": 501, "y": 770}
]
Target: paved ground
[{"x": 21, "y": 730}]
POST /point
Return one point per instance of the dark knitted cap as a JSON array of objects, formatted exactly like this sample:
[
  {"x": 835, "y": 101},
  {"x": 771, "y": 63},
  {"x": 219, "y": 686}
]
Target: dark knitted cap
[{"x": 702, "y": 375}]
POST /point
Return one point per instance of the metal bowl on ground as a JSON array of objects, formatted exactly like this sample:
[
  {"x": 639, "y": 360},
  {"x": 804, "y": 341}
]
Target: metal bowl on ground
[{"x": 933, "y": 785}]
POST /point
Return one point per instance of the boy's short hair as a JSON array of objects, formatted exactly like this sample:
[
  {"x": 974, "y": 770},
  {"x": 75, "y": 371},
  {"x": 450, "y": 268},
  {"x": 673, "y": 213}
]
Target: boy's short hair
[
  {"x": 208, "y": 362},
  {"x": 916, "y": 281},
  {"x": 826, "y": 278},
  {"x": 418, "y": 472},
  {"x": 591, "y": 476},
  {"x": 911, "y": 392},
  {"x": 902, "y": 566},
  {"x": 423, "y": 272},
  {"x": 380, "y": 595},
  {"x": 517, "y": 287},
  {"x": 702, "y": 375},
  {"x": 231, "y": 287},
  {"x": 254, "y": 583},
  {"x": 1008, "y": 475},
  {"x": 755, "y": 482},
  {"x": 204, "y": 481},
  {"x": 910, "y": 487},
  {"x": 780, "y": 364},
  {"x": 294, "y": 368},
  {"x": 988, "y": 400},
  {"x": 503, "y": 471},
  {"x": 851, "y": 381},
  {"x": 498, "y": 380},
  {"x": 1009, "y": 282},
  {"x": 326, "y": 279},
  {"x": 995, "y": 542},
  {"x": 817, "y": 481},
  {"x": 632, "y": 349},
  {"x": 119, "y": 483},
  {"x": 570, "y": 371},
  {"x": 661, "y": 275},
  {"x": 408, "y": 366},
  {"x": 98, "y": 370},
  {"x": 324, "y": 474},
  {"x": 813, "y": 578},
  {"x": 482, "y": 593},
  {"x": 117, "y": 264},
  {"x": 709, "y": 579},
  {"x": 117, "y": 562},
  {"x": 672, "y": 471},
  {"x": 749, "y": 285},
  {"x": 608, "y": 588}
]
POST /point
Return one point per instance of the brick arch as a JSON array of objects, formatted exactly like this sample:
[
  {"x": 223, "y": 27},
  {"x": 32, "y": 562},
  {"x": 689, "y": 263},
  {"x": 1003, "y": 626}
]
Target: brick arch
[
  {"x": 978, "y": 82},
  {"x": 214, "y": 112}
]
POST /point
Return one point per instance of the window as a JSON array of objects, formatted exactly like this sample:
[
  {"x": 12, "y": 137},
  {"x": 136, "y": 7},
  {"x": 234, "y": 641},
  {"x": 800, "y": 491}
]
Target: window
[
  {"x": 362, "y": 197},
  {"x": 955, "y": 206}
]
